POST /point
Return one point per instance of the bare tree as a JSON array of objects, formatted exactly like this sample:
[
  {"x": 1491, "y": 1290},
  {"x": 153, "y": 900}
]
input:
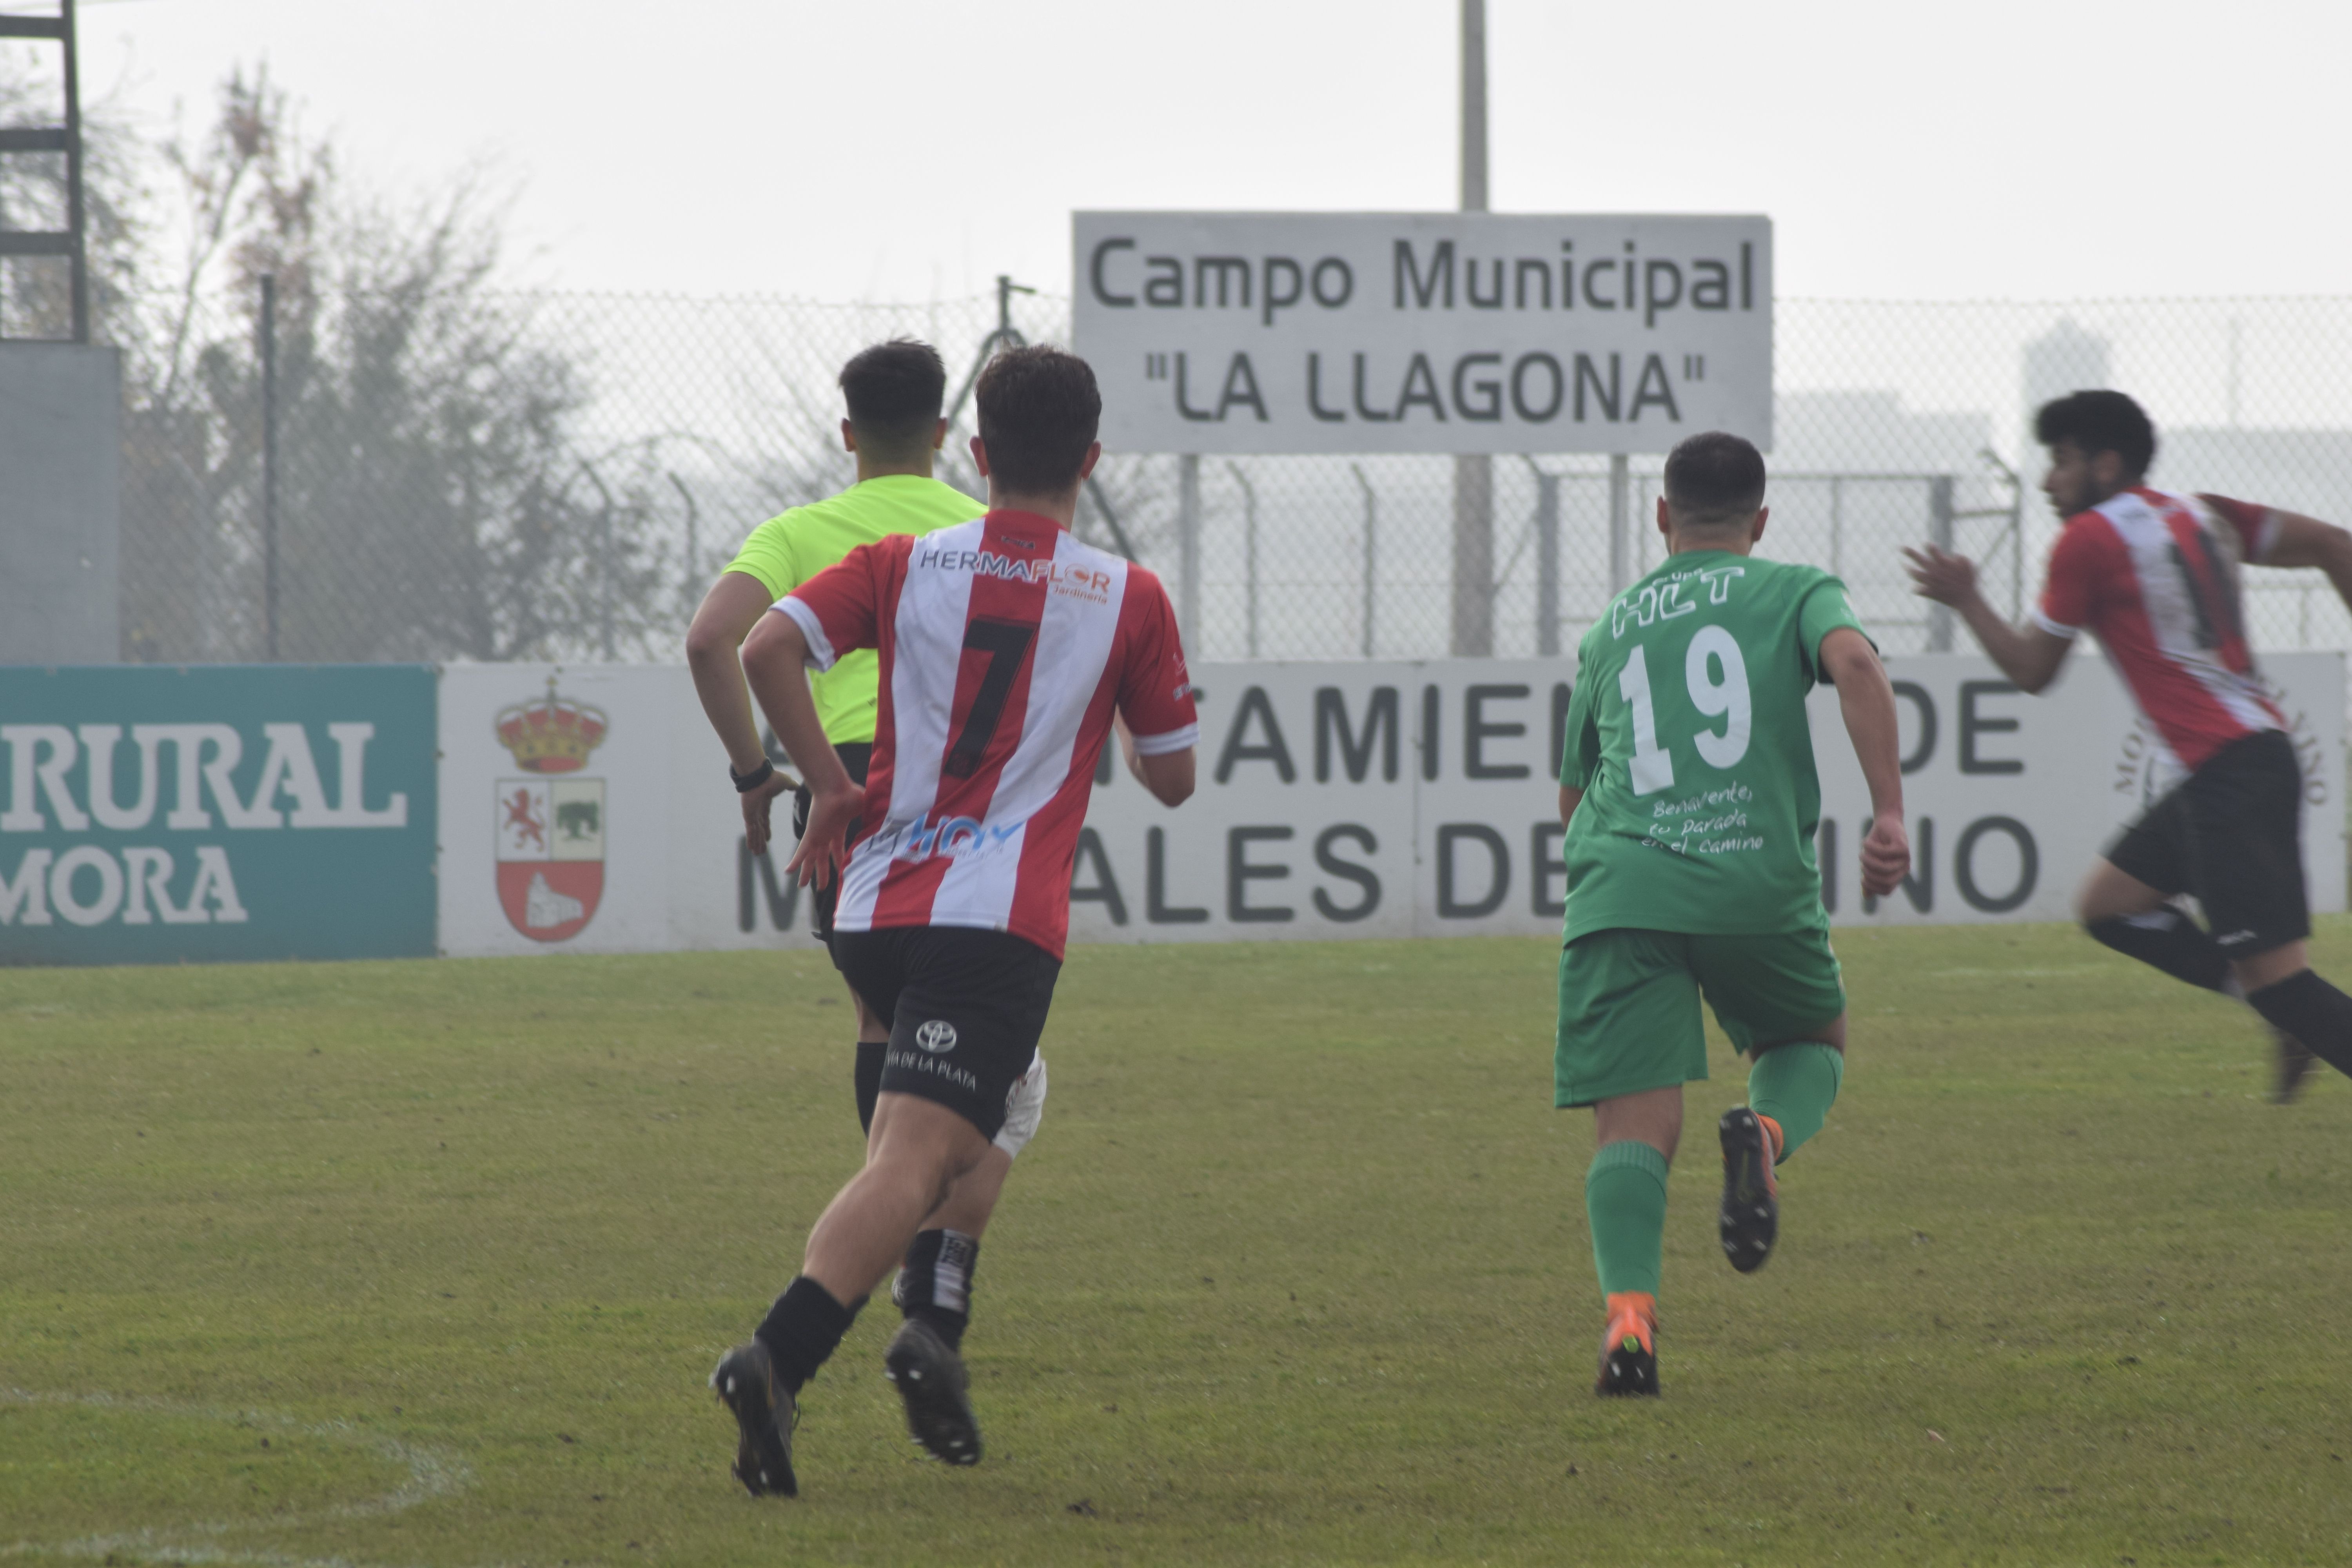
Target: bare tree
[{"x": 436, "y": 496}]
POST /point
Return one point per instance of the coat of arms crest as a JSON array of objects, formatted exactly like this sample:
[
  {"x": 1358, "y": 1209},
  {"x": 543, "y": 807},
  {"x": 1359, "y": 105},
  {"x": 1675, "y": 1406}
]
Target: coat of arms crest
[{"x": 550, "y": 826}]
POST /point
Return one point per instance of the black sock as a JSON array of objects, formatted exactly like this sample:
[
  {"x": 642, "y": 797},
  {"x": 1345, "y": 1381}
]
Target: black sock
[
  {"x": 869, "y": 1079},
  {"x": 2314, "y": 1012},
  {"x": 2168, "y": 939},
  {"x": 935, "y": 1282},
  {"x": 802, "y": 1328}
]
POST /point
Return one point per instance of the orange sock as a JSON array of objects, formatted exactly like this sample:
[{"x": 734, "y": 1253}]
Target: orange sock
[
  {"x": 1780, "y": 1139},
  {"x": 1636, "y": 1309}
]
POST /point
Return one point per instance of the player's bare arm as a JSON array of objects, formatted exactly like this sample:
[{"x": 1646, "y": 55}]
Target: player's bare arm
[
  {"x": 1867, "y": 701},
  {"x": 729, "y": 611},
  {"x": 2299, "y": 541},
  {"x": 1570, "y": 799},
  {"x": 775, "y": 659},
  {"x": 2028, "y": 655},
  {"x": 1169, "y": 776}
]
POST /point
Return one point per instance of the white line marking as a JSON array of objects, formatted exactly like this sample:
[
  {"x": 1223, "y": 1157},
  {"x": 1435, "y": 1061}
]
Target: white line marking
[{"x": 432, "y": 1473}]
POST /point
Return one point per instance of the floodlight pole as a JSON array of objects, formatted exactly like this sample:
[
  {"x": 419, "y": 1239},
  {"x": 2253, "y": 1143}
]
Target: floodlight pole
[{"x": 1474, "y": 473}]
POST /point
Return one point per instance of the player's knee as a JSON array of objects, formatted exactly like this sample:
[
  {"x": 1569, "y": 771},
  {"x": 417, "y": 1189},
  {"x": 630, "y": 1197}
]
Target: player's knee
[{"x": 2093, "y": 908}]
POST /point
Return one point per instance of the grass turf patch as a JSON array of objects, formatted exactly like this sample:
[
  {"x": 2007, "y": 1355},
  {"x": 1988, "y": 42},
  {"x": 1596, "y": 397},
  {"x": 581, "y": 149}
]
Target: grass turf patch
[{"x": 1295, "y": 1271}]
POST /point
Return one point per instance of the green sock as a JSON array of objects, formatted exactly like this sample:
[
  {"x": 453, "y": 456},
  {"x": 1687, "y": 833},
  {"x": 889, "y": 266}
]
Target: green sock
[
  {"x": 1626, "y": 1199},
  {"x": 1795, "y": 1085}
]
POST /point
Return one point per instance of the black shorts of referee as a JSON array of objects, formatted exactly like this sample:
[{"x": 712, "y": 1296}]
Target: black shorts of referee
[
  {"x": 854, "y": 755},
  {"x": 2231, "y": 834}
]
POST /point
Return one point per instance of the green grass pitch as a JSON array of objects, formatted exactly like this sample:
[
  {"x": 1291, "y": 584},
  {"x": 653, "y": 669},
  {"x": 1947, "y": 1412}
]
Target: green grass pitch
[{"x": 425, "y": 1264}]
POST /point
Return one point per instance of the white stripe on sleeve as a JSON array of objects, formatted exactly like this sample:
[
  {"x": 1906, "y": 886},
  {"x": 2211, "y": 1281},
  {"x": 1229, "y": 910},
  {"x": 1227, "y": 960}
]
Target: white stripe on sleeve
[
  {"x": 1173, "y": 741},
  {"x": 2055, "y": 628},
  {"x": 820, "y": 646}
]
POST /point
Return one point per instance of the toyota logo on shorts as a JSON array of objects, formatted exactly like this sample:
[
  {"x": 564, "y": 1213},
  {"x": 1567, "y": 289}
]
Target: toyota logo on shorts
[{"x": 937, "y": 1036}]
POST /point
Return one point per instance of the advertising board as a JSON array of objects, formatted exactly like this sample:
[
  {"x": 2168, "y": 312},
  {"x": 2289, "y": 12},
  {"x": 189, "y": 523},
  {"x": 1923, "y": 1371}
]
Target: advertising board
[
  {"x": 1344, "y": 800},
  {"x": 164, "y": 816},
  {"x": 160, "y": 814}
]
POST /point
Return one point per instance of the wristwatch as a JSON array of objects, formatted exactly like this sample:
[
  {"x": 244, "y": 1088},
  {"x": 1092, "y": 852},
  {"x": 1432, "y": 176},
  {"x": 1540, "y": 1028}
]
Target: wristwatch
[{"x": 746, "y": 783}]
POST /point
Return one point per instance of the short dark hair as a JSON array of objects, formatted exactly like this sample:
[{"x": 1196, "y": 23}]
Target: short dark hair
[
  {"x": 1714, "y": 478},
  {"x": 2100, "y": 422},
  {"x": 894, "y": 391},
  {"x": 1039, "y": 409}
]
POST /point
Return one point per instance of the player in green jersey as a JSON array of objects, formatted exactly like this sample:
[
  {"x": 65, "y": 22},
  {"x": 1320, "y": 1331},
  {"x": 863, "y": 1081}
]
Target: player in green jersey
[
  {"x": 1691, "y": 802},
  {"x": 894, "y": 392}
]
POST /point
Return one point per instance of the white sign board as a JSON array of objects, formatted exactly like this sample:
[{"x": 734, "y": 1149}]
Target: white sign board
[
  {"x": 1418, "y": 800},
  {"x": 1230, "y": 332},
  {"x": 586, "y": 809},
  {"x": 1336, "y": 800}
]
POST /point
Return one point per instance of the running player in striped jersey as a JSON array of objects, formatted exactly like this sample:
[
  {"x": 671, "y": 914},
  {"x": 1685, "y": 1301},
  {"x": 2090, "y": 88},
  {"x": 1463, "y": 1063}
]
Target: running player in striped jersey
[
  {"x": 2155, "y": 576},
  {"x": 1007, "y": 649},
  {"x": 893, "y": 393}
]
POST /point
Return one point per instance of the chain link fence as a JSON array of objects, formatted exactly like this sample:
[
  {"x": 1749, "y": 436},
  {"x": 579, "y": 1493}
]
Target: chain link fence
[{"x": 562, "y": 475}]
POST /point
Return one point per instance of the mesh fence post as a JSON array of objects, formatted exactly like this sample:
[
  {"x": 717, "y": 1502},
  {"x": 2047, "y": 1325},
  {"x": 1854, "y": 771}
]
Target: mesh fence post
[
  {"x": 1249, "y": 550},
  {"x": 1939, "y": 533},
  {"x": 1371, "y": 559},
  {"x": 1621, "y": 509},
  {"x": 1188, "y": 552},
  {"x": 1547, "y": 564},
  {"x": 1473, "y": 556}
]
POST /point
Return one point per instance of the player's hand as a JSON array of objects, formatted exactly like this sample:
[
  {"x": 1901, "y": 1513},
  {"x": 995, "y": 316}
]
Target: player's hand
[
  {"x": 823, "y": 844},
  {"x": 1886, "y": 855},
  {"x": 755, "y": 810},
  {"x": 1946, "y": 579}
]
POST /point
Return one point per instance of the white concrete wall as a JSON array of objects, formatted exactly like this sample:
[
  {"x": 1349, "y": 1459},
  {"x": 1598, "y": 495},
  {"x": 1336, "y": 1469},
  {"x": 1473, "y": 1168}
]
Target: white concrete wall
[{"x": 60, "y": 503}]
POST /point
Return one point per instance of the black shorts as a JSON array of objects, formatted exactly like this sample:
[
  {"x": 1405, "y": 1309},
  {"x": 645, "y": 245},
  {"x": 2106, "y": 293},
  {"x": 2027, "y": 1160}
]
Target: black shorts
[
  {"x": 965, "y": 1008},
  {"x": 2231, "y": 834},
  {"x": 854, "y": 757}
]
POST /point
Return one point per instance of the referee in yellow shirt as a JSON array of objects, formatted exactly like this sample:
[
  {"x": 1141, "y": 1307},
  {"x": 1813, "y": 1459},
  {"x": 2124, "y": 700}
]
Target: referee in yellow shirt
[{"x": 894, "y": 392}]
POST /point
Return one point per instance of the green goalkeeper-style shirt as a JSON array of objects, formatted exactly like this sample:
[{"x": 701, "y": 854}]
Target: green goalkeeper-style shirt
[
  {"x": 787, "y": 551},
  {"x": 1687, "y": 734}
]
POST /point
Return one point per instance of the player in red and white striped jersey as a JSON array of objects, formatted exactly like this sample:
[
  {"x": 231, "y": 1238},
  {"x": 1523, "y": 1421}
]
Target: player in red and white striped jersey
[
  {"x": 2155, "y": 576},
  {"x": 1008, "y": 649},
  {"x": 1005, "y": 645}
]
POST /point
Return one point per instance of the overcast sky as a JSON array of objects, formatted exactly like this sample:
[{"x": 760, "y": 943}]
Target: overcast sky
[{"x": 2002, "y": 149}]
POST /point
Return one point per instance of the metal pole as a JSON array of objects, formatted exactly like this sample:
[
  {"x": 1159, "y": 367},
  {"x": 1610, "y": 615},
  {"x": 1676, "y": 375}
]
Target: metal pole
[
  {"x": 80, "y": 271},
  {"x": 1110, "y": 518},
  {"x": 1187, "y": 551},
  {"x": 693, "y": 516},
  {"x": 1249, "y": 548},
  {"x": 1620, "y": 510},
  {"x": 1939, "y": 533},
  {"x": 1371, "y": 521},
  {"x": 603, "y": 557},
  {"x": 2016, "y": 513},
  {"x": 270, "y": 466},
  {"x": 1474, "y": 473},
  {"x": 1837, "y": 525},
  {"x": 1474, "y": 106},
  {"x": 1546, "y": 566}
]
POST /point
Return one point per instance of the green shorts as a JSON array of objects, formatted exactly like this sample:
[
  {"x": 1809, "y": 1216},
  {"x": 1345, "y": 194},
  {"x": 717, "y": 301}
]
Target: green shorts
[{"x": 1629, "y": 1016}]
